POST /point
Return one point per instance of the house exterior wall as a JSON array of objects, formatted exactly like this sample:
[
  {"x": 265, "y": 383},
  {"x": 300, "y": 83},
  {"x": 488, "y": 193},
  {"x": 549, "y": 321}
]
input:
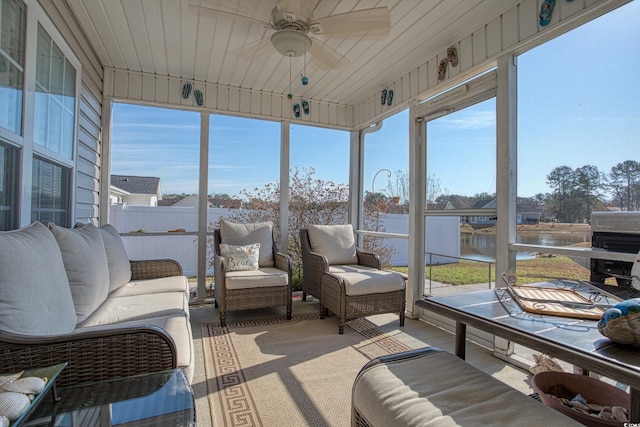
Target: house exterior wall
[
  {"x": 140, "y": 200},
  {"x": 88, "y": 159}
]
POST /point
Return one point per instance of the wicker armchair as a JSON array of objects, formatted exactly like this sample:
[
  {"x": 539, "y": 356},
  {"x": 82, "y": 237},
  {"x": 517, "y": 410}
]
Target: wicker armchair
[
  {"x": 97, "y": 354},
  {"x": 349, "y": 282},
  {"x": 267, "y": 286}
]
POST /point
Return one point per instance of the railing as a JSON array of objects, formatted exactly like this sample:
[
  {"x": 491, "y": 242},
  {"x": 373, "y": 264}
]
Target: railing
[
  {"x": 430, "y": 256},
  {"x": 381, "y": 234},
  {"x": 572, "y": 251}
]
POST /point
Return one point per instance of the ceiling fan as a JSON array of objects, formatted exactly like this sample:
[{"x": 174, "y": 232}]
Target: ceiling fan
[{"x": 294, "y": 26}]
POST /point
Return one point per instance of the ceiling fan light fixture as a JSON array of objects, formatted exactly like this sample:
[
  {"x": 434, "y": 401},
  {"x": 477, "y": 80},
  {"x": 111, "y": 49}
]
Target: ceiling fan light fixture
[{"x": 291, "y": 42}]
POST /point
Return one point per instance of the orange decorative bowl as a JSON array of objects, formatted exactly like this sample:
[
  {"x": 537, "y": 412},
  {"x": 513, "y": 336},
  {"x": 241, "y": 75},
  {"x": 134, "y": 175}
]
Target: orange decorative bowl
[{"x": 593, "y": 390}]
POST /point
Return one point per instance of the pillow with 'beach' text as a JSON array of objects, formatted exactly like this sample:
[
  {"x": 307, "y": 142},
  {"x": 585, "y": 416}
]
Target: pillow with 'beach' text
[{"x": 241, "y": 257}]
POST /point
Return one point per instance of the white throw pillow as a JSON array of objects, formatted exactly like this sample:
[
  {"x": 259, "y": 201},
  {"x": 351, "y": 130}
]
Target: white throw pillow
[
  {"x": 35, "y": 298},
  {"x": 85, "y": 262},
  {"x": 241, "y": 257},
  {"x": 336, "y": 242},
  {"x": 232, "y": 233}
]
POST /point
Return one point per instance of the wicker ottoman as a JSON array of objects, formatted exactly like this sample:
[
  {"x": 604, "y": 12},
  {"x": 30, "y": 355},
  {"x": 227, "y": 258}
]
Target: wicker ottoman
[
  {"x": 358, "y": 291},
  {"x": 430, "y": 387}
]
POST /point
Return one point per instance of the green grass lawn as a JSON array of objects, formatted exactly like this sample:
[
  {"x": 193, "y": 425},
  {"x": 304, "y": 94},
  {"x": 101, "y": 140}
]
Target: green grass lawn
[{"x": 470, "y": 272}]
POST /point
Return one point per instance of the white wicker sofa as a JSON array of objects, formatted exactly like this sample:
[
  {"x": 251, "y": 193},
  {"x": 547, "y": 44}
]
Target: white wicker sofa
[{"x": 72, "y": 295}]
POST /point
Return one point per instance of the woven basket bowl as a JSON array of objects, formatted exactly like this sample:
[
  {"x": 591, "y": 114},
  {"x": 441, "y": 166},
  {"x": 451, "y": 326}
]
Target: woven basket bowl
[
  {"x": 595, "y": 391},
  {"x": 623, "y": 329}
]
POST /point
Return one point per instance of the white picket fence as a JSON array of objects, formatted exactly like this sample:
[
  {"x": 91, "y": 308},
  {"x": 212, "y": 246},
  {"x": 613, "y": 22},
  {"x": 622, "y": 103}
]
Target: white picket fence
[{"x": 157, "y": 243}]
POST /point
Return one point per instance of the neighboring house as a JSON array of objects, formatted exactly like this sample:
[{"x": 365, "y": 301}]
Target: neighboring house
[
  {"x": 167, "y": 202},
  {"x": 135, "y": 190},
  {"x": 526, "y": 213},
  {"x": 191, "y": 201},
  {"x": 117, "y": 195},
  {"x": 225, "y": 203}
]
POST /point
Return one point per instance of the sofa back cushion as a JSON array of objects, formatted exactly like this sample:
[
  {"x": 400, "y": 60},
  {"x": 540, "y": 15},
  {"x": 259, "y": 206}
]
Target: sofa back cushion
[
  {"x": 336, "y": 242},
  {"x": 119, "y": 264},
  {"x": 85, "y": 261},
  {"x": 35, "y": 298},
  {"x": 232, "y": 233}
]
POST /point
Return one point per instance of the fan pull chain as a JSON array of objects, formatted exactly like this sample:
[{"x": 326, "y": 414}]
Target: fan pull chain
[
  {"x": 289, "y": 95},
  {"x": 303, "y": 77}
]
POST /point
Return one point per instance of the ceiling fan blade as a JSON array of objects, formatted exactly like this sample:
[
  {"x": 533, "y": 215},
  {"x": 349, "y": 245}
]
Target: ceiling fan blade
[
  {"x": 255, "y": 50},
  {"x": 373, "y": 22},
  {"x": 290, "y": 6},
  {"x": 325, "y": 57},
  {"x": 214, "y": 13}
]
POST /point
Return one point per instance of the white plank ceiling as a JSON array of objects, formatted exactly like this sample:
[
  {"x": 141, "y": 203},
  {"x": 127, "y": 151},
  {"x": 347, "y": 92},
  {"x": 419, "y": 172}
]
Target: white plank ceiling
[{"x": 164, "y": 37}]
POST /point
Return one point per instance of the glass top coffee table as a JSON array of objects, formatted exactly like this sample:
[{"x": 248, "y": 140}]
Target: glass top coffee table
[{"x": 162, "y": 398}]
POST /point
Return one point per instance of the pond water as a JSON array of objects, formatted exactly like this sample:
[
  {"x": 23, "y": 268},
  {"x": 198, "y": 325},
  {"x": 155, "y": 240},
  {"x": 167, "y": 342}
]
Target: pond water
[{"x": 482, "y": 247}]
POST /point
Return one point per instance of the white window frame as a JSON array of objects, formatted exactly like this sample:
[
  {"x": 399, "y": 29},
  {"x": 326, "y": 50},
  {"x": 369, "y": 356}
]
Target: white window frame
[{"x": 36, "y": 16}]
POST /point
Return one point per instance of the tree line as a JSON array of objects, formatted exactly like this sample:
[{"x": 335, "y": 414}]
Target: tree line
[{"x": 578, "y": 192}]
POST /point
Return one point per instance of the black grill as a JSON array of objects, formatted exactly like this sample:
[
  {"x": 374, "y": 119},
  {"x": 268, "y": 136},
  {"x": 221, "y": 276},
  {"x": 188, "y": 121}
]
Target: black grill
[
  {"x": 615, "y": 242},
  {"x": 615, "y": 232}
]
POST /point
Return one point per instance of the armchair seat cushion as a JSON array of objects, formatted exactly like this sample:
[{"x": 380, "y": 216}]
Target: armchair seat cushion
[
  {"x": 365, "y": 282},
  {"x": 263, "y": 277}
]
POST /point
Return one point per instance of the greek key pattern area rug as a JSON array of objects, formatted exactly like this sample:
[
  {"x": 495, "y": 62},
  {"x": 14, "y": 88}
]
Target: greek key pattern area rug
[{"x": 288, "y": 373}]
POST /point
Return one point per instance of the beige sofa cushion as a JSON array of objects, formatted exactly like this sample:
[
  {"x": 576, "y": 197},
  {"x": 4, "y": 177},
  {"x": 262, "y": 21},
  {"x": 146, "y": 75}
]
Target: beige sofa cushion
[
  {"x": 119, "y": 265},
  {"x": 35, "y": 298},
  {"x": 85, "y": 262},
  {"x": 176, "y": 325},
  {"x": 263, "y": 277},
  {"x": 232, "y": 233},
  {"x": 153, "y": 286},
  {"x": 136, "y": 307},
  {"x": 336, "y": 242}
]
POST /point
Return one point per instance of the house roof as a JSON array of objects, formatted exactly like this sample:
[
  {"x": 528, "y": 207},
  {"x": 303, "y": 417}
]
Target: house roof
[{"x": 137, "y": 184}]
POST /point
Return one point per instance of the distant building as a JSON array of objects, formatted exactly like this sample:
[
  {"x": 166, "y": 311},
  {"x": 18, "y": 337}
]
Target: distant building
[
  {"x": 167, "y": 202},
  {"x": 135, "y": 190},
  {"x": 226, "y": 203},
  {"x": 191, "y": 201},
  {"x": 526, "y": 213}
]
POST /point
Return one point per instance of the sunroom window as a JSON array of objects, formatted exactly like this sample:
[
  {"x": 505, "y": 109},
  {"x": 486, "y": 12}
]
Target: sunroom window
[
  {"x": 578, "y": 133},
  {"x": 12, "y": 38},
  {"x": 50, "y": 192},
  {"x": 54, "y": 97},
  {"x": 8, "y": 186}
]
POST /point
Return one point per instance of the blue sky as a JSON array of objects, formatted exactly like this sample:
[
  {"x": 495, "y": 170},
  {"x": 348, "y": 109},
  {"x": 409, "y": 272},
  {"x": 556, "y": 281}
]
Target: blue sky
[{"x": 578, "y": 103}]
